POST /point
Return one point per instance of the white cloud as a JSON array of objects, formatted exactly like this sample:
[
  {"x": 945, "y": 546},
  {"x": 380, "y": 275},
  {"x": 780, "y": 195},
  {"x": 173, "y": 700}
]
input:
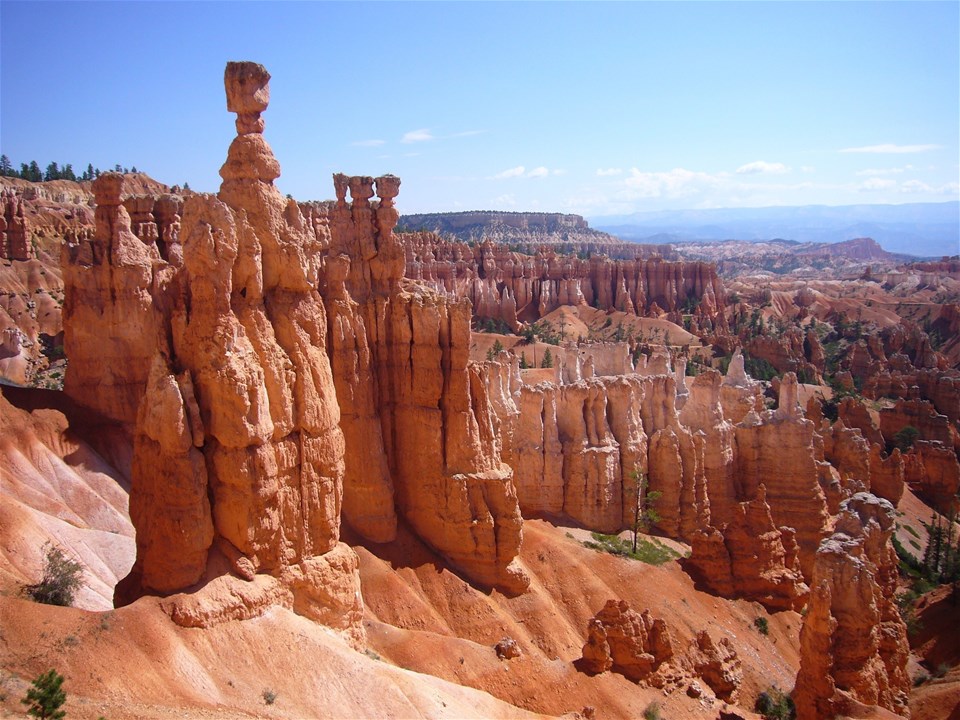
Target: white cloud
[
  {"x": 876, "y": 184},
  {"x": 890, "y": 148},
  {"x": 558, "y": 171},
  {"x": 608, "y": 172},
  {"x": 517, "y": 171},
  {"x": 538, "y": 172},
  {"x": 421, "y": 135},
  {"x": 678, "y": 183},
  {"x": 918, "y": 186},
  {"x": 369, "y": 143},
  {"x": 506, "y": 199},
  {"x": 761, "y": 167},
  {"x": 873, "y": 172},
  {"x": 807, "y": 169}
]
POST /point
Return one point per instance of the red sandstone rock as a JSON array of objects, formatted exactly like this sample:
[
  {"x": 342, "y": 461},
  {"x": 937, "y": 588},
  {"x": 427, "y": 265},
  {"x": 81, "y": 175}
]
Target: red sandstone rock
[
  {"x": 933, "y": 472},
  {"x": 853, "y": 642},
  {"x": 778, "y": 453},
  {"x": 718, "y": 665},
  {"x": 922, "y": 415},
  {"x": 251, "y": 417},
  {"x": 750, "y": 558},
  {"x": 111, "y": 324},
  {"x": 14, "y": 229},
  {"x": 510, "y": 286},
  {"x": 630, "y": 643}
]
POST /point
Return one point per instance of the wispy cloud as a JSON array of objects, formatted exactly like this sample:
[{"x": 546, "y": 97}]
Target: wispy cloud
[
  {"x": 520, "y": 171},
  {"x": 762, "y": 167},
  {"x": 918, "y": 186},
  {"x": 513, "y": 172},
  {"x": 874, "y": 172},
  {"x": 421, "y": 135},
  {"x": 807, "y": 169},
  {"x": 890, "y": 148},
  {"x": 368, "y": 143},
  {"x": 609, "y": 172},
  {"x": 506, "y": 199},
  {"x": 876, "y": 184}
]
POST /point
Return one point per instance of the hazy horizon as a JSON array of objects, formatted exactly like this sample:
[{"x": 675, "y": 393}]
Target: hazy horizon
[{"x": 597, "y": 109}]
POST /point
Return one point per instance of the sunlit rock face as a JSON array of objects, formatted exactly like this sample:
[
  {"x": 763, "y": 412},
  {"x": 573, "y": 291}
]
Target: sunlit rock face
[{"x": 228, "y": 346}]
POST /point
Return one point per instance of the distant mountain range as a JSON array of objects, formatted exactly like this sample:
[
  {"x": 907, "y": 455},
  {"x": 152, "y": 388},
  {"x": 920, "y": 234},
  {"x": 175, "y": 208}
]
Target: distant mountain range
[{"x": 918, "y": 229}]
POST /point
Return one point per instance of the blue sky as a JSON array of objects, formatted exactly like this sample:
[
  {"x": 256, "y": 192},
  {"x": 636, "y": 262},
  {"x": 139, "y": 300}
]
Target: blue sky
[{"x": 593, "y": 108}]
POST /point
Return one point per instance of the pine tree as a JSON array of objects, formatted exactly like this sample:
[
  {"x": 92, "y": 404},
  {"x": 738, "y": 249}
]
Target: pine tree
[
  {"x": 6, "y": 169},
  {"x": 46, "y": 697},
  {"x": 524, "y": 365},
  {"x": 53, "y": 172},
  {"x": 495, "y": 350},
  {"x": 644, "y": 515},
  {"x": 68, "y": 173},
  {"x": 547, "y": 361},
  {"x": 34, "y": 172}
]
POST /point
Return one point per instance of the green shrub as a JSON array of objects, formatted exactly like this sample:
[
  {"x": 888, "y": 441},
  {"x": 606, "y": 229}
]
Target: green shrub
[
  {"x": 269, "y": 696},
  {"x": 62, "y": 578},
  {"x": 761, "y": 624},
  {"x": 45, "y": 697},
  {"x": 652, "y": 552},
  {"x": 774, "y": 704},
  {"x": 652, "y": 712},
  {"x": 906, "y": 437}
]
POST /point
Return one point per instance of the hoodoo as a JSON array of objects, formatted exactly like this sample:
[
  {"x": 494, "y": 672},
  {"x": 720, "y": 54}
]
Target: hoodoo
[{"x": 230, "y": 367}]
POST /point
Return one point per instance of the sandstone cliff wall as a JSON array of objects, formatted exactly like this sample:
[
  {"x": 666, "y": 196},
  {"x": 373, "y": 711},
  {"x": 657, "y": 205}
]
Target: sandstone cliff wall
[{"x": 510, "y": 286}]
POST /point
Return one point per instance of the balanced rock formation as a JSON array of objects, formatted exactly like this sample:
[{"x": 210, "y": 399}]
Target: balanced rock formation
[
  {"x": 228, "y": 331},
  {"x": 853, "y": 644}
]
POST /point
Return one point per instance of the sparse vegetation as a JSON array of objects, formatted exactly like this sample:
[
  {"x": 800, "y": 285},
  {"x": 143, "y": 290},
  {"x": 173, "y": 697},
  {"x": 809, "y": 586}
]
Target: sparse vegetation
[
  {"x": 906, "y": 437},
  {"x": 652, "y": 711},
  {"x": 761, "y": 625},
  {"x": 774, "y": 704},
  {"x": 62, "y": 577},
  {"x": 269, "y": 696},
  {"x": 46, "y": 696},
  {"x": 652, "y": 552},
  {"x": 495, "y": 350}
]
